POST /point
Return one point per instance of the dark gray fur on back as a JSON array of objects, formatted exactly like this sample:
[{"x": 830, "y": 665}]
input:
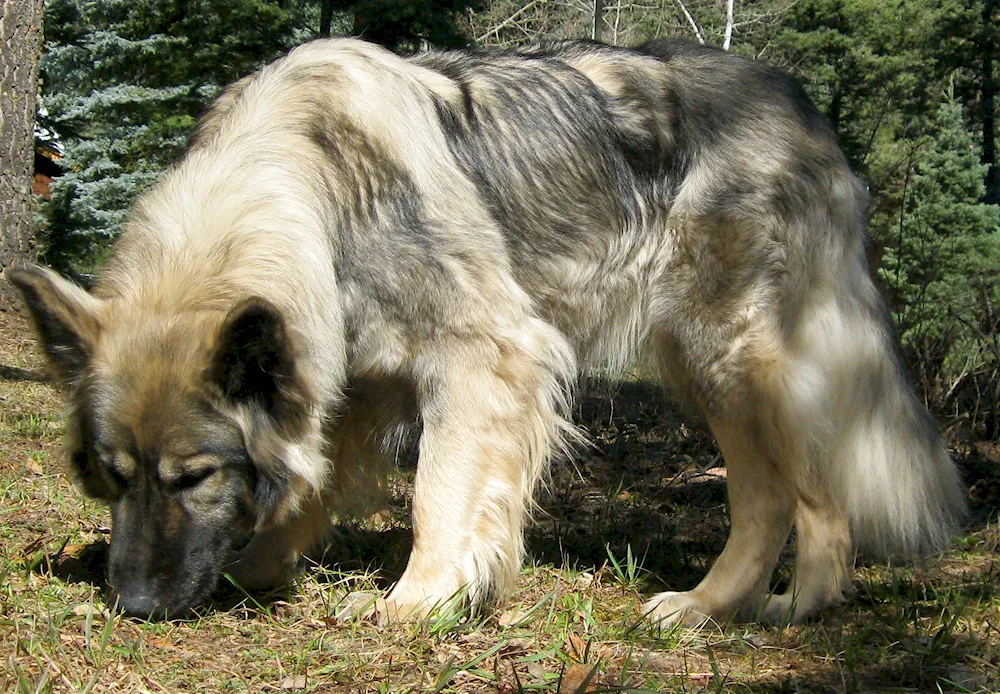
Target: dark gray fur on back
[{"x": 550, "y": 134}]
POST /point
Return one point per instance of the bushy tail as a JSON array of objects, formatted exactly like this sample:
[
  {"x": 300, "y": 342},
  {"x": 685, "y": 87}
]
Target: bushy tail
[
  {"x": 902, "y": 492},
  {"x": 878, "y": 452},
  {"x": 890, "y": 468}
]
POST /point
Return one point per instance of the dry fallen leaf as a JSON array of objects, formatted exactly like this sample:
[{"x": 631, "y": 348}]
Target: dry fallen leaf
[
  {"x": 74, "y": 550},
  {"x": 537, "y": 670},
  {"x": 578, "y": 679},
  {"x": 510, "y": 616},
  {"x": 357, "y": 604},
  {"x": 967, "y": 678},
  {"x": 576, "y": 648},
  {"x": 166, "y": 645},
  {"x": 89, "y": 608},
  {"x": 292, "y": 683}
]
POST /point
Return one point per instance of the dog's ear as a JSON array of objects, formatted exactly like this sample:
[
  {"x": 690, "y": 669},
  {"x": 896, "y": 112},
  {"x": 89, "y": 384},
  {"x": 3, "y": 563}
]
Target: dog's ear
[
  {"x": 253, "y": 361},
  {"x": 66, "y": 317}
]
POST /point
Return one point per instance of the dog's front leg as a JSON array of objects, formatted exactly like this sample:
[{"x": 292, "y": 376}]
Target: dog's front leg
[
  {"x": 269, "y": 560},
  {"x": 490, "y": 422}
]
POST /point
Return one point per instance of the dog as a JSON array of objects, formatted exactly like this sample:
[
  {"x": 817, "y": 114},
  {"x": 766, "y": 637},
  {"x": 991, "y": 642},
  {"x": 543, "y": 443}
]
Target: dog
[{"x": 356, "y": 243}]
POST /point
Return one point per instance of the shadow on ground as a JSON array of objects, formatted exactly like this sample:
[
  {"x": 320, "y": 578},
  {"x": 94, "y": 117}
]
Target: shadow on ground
[
  {"x": 14, "y": 373},
  {"x": 652, "y": 484},
  {"x": 643, "y": 485}
]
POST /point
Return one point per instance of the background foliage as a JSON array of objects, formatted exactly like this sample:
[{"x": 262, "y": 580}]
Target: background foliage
[{"x": 907, "y": 83}]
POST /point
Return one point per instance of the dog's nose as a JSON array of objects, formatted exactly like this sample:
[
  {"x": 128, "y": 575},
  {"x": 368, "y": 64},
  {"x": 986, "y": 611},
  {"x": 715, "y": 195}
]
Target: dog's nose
[{"x": 141, "y": 605}]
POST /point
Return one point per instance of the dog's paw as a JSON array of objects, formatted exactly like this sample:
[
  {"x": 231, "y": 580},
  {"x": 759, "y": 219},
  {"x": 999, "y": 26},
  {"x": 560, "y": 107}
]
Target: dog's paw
[
  {"x": 670, "y": 608},
  {"x": 789, "y": 608},
  {"x": 256, "y": 576},
  {"x": 393, "y": 610},
  {"x": 360, "y": 604},
  {"x": 781, "y": 610},
  {"x": 366, "y": 605},
  {"x": 455, "y": 608},
  {"x": 410, "y": 601}
]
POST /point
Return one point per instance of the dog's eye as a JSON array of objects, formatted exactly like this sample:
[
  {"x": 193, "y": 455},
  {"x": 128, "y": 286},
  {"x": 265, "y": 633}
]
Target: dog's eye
[
  {"x": 109, "y": 463},
  {"x": 193, "y": 479},
  {"x": 118, "y": 478}
]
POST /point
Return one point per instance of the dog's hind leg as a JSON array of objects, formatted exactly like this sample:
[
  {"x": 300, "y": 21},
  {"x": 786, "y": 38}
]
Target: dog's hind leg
[
  {"x": 762, "y": 506},
  {"x": 823, "y": 562},
  {"x": 879, "y": 476}
]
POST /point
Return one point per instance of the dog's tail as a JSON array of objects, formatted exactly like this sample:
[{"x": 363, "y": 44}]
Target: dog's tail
[{"x": 873, "y": 447}]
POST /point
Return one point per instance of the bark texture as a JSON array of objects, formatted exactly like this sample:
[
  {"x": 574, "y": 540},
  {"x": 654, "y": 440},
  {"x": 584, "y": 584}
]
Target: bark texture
[{"x": 20, "y": 46}]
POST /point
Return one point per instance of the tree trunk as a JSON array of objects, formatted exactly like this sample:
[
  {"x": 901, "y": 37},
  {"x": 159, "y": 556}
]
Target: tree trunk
[
  {"x": 694, "y": 24},
  {"x": 325, "y": 18},
  {"x": 20, "y": 45},
  {"x": 598, "y": 20}
]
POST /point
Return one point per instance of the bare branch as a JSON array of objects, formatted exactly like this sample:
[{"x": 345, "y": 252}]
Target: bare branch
[
  {"x": 694, "y": 24},
  {"x": 507, "y": 22},
  {"x": 728, "y": 41}
]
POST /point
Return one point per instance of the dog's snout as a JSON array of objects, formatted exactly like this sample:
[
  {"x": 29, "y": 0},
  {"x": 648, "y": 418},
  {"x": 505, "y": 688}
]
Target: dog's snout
[{"x": 139, "y": 603}]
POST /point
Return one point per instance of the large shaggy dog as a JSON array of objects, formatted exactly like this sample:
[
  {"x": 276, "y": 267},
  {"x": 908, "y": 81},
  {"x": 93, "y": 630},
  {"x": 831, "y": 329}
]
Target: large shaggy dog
[{"x": 355, "y": 242}]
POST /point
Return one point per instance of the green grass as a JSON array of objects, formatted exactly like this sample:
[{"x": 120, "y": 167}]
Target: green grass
[{"x": 618, "y": 525}]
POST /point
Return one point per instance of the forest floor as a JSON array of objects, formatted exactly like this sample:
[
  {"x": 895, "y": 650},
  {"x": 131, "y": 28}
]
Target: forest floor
[{"x": 643, "y": 509}]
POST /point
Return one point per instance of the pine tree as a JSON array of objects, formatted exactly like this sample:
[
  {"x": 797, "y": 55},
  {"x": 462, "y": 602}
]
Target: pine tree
[
  {"x": 123, "y": 84},
  {"x": 941, "y": 250},
  {"x": 869, "y": 65}
]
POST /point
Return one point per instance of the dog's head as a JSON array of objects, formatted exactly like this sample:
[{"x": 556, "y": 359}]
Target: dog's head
[{"x": 161, "y": 406}]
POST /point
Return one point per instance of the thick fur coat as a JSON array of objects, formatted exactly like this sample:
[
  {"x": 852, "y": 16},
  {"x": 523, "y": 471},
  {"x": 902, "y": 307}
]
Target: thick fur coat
[{"x": 356, "y": 243}]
